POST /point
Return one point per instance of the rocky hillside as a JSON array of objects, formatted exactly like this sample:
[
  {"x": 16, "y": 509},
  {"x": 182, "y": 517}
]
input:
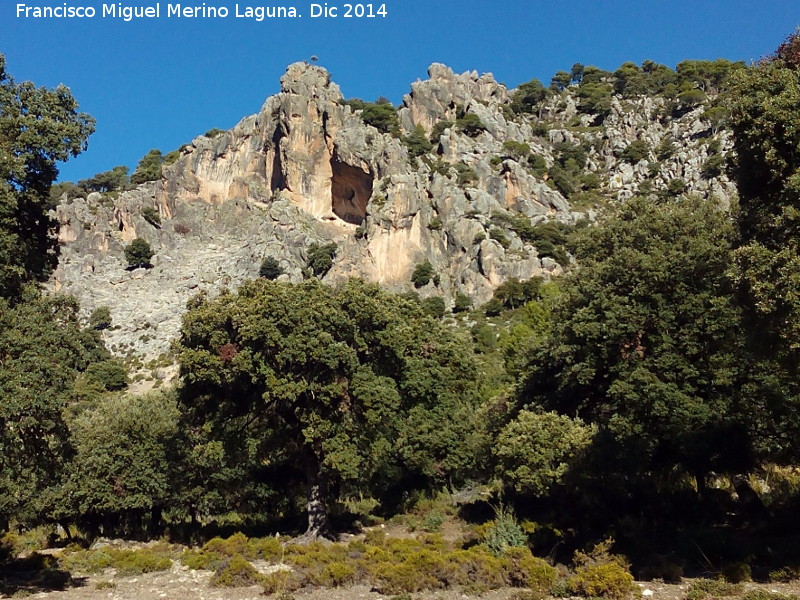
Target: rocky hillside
[{"x": 307, "y": 170}]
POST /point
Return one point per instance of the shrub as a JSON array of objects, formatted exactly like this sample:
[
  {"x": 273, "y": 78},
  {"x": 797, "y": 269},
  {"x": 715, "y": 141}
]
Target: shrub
[
  {"x": 675, "y": 188},
  {"x": 201, "y": 560},
  {"x": 503, "y": 532},
  {"x": 152, "y": 216},
  {"x": 760, "y": 594},
  {"x": 180, "y": 228},
  {"x": 417, "y": 142},
  {"x": 422, "y": 275},
  {"x": 537, "y": 164},
  {"x": 149, "y": 168},
  {"x": 434, "y": 306},
  {"x": 100, "y": 318},
  {"x": 439, "y": 129},
  {"x": 499, "y": 235},
  {"x": 320, "y": 258},
  {"x": 213, "y": 133},
  {"x": 237, "y": 572},
  {"x": 382, "y": 117},
  {"x": 337, "y": 574},
  {"x": 493, "y": 307},
  {"x": 666, "y": 148},
  {"x": 470, "y": 124},
  {"x": 785, "y": 574},
  {"x": 737, "y": 572},
  {"x": 277, "y": 582},
  {"x": 270, "y": 268},
  {"x": 600, "y": 574},
  {"x": 126, "y": 562},
  {"x": 138, "y": 253},
  {"x": 713, "y": 166},
  {"x": 702, "y": 589},
  {"x": 110, "y": 374},
  {"x": 435, "y": 224},
  {"x": 462, "y": 303},
  {"x": 635, "y": 152},
  {"x": 522, "y": 569},
  {"x": 464, "y": 174},
  {"x": 518, "y": 150},
  {"x": 136, "y": 562}
]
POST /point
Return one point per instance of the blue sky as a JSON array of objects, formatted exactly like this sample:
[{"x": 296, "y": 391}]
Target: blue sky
[{"x": 159, "y": 83}]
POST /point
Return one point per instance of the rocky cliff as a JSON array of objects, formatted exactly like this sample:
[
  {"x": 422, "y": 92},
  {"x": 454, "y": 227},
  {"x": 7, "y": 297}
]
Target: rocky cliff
[{"x": 307, "y": 170}]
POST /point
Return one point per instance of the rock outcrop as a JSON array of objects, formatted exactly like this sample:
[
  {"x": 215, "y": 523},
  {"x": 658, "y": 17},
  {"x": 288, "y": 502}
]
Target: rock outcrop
[{"x": 307, "y": 170}]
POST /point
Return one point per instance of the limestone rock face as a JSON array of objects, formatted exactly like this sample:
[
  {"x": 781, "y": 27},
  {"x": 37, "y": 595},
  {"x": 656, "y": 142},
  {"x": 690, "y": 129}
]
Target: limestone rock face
[{"x": 307, "y": 170}]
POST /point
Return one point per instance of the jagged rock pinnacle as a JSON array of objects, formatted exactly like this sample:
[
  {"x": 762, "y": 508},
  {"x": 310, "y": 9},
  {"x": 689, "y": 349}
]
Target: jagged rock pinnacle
[{"x": 311, "y": 81}]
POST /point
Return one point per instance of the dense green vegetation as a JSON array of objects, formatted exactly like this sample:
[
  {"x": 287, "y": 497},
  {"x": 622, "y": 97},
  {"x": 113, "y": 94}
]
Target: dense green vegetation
[{"x": 629, "y": 398}]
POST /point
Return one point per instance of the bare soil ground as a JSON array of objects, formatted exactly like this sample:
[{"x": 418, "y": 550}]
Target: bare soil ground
[{"x": 181, "y": 583}]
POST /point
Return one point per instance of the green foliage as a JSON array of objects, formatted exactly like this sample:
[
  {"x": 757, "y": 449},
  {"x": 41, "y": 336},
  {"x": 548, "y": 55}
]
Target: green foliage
[
  {"x": 761, "y": 594},
  {"x": 527, "y": 97},
  {"x": 639, "y": 332},
  {"x": 434, "y": 306},
  {"x": 522, "y": 569},
  {"x": 537, "y": 164},
  {"x": 595, "y": 99},
  {"x": 382, "y": 116},
  {"x": 170, "y": 158},
  {"x": 503, "y": 532},
  {"x": 152, "y": 216},
  {"x": 108, "y": 181},
  {"x": 560, "y": 81},
  {"x": 518, "y": 150},
  {"x": 422, "y": 275},
  {"x": 108, "y": 374},
  {"x": 43, "y": 351},
  {"x": 636, "y": 151},
  {"x": 514, "y": 293},
  {"x": 214, "y": 133},
  {"x": 666, "y": 148},
  {"x": 470, "y": 124},
  {"x": 417, "y": 142},
  {"x": 100, "y": 318},
  {"x": 236, "y": 572},
  {"x": 499, "y": 236},
  {"x": 435, "y": 224},
  {"x": 439, "y": 128},
  {"x": 464, "y": 174},
  {"x": 138, "y": 253},
  {"x": 675, "y": 187},
  {"x": 535, "y": 450},
  {"x": 270, "y": 268},
  {"x": 737, "y": 572},
  {"x": 600, "y": 574},
  {"x": 320, "y": 258},
  {"x": 149, "y": 168},
  {"x": 713, "y": 166},
  {"x": 764, "y": 121},
  {"x": 462, "y": 303},
  {"x": 38, "y": 128},
  {"x": 125, "y": 561},
  {"x": 123, "y": 456},
  {"x": 341, "y": 386},
  {"x": 704, "y": 589}
]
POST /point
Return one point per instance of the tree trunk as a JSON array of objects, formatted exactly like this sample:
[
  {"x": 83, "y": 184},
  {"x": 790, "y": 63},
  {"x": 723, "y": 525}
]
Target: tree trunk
[
  {"x": 316, "y": 500},
  {"x": 700, "y": 480},
  {"x": 154, "y": 527}
]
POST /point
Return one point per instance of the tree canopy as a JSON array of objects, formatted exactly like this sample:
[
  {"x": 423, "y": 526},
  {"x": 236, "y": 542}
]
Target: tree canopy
[
  {"x": 38, "y": 128},
  {"x": 343, "y": 385},
  {"x": 646, "y": 340}
]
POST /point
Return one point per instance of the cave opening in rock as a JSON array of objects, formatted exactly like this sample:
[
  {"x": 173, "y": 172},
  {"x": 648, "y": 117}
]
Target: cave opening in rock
[{"x": 351, "y": 189}]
